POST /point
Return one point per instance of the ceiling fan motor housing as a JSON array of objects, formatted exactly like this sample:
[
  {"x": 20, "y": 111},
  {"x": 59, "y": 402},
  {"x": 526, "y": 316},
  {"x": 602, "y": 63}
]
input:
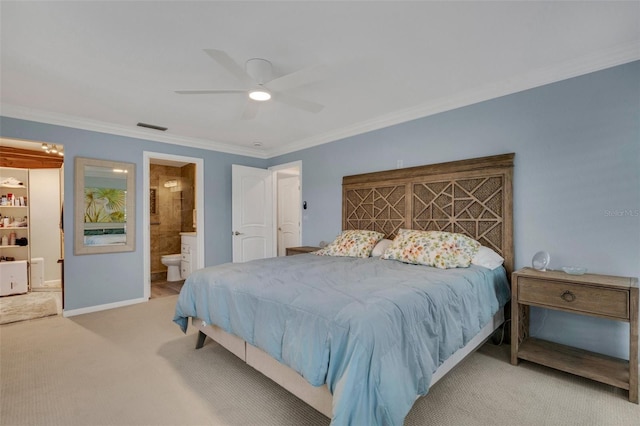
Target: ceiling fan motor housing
[{"x": 259, "y": 69}]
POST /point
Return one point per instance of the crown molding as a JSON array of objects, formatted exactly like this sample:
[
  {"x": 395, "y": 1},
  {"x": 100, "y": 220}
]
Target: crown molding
[
  {"x": 25, "y": 113},
  {"x": 619, "y": 55},
  {"x": 575, "y": 67}
]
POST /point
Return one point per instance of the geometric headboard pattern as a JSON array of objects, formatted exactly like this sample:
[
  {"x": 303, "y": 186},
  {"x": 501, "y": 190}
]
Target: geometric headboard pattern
[
  {"x": 381, "y": 209},
  {"x": 475, "y": 204},
  {"x": 471, "y": 197}
]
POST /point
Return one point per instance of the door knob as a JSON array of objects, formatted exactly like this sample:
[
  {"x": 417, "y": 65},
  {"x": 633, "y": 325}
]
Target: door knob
[{"x": 236, "y": 233}]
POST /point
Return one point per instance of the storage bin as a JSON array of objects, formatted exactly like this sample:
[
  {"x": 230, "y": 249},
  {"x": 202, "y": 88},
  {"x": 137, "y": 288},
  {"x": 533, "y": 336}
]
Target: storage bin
[{"x": 13, "y": 278}]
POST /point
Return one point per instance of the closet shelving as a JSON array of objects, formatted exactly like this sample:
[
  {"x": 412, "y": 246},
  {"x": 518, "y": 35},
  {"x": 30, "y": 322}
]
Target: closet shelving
[{"x": 14, "y": 212}]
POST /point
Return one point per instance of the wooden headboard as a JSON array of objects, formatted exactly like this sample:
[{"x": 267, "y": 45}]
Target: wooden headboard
[{"x": 472, "y": 197}]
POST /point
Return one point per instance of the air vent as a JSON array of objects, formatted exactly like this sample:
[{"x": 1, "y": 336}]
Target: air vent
[{"x": 151, "y": 126}]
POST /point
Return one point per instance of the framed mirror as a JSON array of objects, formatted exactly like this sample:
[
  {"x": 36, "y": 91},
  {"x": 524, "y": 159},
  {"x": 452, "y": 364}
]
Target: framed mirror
[{"x": 105, "y": 210}]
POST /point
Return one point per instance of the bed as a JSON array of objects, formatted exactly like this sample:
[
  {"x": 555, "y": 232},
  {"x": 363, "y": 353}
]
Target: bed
[{"x": 376, "y": 333}]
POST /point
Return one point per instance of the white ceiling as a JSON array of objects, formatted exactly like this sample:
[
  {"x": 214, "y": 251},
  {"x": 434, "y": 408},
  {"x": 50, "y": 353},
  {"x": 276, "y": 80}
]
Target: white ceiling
[{"x": 106, "y": 66}]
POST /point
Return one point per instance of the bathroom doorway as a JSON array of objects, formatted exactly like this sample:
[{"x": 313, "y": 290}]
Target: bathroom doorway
[{"x": 173, "y": 215}]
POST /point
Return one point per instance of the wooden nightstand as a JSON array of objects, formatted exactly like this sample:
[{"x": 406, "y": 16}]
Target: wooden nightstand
[
  {"x": 603, "y": 296},
  {"x": 301, "y": 250}
]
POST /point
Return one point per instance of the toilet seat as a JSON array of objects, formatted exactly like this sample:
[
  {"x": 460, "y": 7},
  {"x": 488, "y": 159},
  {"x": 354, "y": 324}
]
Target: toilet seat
[{"x": 171, "y": 257}]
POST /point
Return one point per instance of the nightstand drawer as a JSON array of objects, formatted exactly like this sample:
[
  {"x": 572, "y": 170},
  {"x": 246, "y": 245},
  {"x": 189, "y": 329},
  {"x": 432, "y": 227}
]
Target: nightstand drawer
[{"x": 592, "y": 300}]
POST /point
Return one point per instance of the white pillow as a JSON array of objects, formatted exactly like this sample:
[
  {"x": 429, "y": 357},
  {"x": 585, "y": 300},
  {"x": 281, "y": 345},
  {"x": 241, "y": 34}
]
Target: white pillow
[
  {"x": 379, "y": 249},
  {"x": 487, "y": 258}
]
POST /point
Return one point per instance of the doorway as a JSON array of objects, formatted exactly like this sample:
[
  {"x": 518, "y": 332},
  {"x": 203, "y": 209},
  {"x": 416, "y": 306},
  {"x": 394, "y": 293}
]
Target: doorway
[
  {"x": 266, "y": 228},
  {"x": 173, "y": 215},
  {"x": 34, "y": 173},
  {"x": 288, "y": 195}
]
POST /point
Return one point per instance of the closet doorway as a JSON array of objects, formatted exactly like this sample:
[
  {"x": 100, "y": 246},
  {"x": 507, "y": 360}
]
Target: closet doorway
[{"x": 36, "y": 171}]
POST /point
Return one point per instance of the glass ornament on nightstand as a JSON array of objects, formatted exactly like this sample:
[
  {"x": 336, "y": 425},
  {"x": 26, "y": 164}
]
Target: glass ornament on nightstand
[{"x": 540, "y": 260}]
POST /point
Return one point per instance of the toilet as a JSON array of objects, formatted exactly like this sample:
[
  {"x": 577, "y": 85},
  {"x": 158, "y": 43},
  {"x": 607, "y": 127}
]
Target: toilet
[{"x": 172, "y": 262}]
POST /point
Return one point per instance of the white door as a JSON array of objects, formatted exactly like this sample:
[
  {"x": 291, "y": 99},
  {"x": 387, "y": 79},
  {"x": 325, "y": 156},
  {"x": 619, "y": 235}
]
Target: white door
[
  {"x": 252, "y": 216},
  {"x": 44, "y": 227},
  {"x": 288, "y": 213}
]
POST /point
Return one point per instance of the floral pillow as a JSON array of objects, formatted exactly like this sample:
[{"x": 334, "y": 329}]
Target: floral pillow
[
  {"x": 352, "y": 243},
  {"x": 442, "y": 250}
]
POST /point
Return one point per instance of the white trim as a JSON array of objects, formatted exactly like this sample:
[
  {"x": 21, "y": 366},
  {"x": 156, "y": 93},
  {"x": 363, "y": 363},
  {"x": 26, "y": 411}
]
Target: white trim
[
  {"x": 539, "y": 77},
  {"x": 575, "y": 67},
  {"x": 57, "y": 283},
  {"x": 24, "y": 113},
  {"x": 97, "y": 308},
  {"x": 49, "y": 285},
  {"x": 294, "y": 164},
  {"x": 146, "y": 220}
]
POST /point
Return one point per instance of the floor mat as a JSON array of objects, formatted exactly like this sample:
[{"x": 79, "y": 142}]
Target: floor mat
[{"x": 27, "y": 306}]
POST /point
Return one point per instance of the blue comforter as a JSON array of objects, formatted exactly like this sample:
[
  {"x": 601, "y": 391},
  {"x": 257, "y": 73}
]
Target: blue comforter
[{"x": 373, "y": 330}]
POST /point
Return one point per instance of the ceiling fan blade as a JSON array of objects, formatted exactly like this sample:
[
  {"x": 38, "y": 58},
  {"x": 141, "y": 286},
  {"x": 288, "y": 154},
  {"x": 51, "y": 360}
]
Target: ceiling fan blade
[
  {"x": 250, "y": 110},
  {"x": 208, "y": 92},
  {"x": 230, "y": 65},
  {"x": 299, "y": 78},
  {"x": 303, "y": 104}
]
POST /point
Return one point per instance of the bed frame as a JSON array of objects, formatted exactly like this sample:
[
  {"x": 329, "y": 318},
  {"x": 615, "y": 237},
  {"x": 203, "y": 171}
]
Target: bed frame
[{"x": 472, "y": 197}]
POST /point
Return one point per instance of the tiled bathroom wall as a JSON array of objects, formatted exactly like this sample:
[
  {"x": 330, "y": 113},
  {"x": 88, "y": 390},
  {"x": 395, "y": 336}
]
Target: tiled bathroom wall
[
  {"x": 171, "y": 211},
  {"x": 188, "y": 174}
]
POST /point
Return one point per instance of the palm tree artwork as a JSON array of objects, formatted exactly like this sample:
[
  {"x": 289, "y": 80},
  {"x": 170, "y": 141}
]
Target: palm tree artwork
[{"x": 104, "y": 205}]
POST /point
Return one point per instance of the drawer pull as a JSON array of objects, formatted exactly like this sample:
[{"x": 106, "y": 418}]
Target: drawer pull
[{"x": 568, "y": 296}]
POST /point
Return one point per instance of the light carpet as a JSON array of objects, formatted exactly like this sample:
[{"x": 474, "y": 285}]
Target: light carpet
[
  {"x": 133, "y": 366},
  {"x": 27, "y": 306}
]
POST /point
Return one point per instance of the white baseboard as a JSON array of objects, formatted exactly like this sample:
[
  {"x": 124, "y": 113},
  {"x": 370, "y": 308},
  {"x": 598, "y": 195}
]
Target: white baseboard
[
  {"x": 97, "y": 308},
  {"x": 51, "y": 285}
]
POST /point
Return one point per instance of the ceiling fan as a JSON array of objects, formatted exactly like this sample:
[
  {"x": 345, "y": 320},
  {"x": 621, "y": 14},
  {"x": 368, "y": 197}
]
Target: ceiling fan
[{"x": 256, "y": 76}]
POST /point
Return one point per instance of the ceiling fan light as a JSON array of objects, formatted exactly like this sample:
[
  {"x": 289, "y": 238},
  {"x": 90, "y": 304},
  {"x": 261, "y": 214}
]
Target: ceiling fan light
[{"x": 259, "y": 95}]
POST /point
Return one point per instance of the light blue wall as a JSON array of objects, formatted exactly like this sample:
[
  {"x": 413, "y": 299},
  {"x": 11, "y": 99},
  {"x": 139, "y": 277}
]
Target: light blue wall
[
  {"x": 576, "y": 185},
  {"x": 576, "y": 179},
  {"x": 93, "y": 280}
]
